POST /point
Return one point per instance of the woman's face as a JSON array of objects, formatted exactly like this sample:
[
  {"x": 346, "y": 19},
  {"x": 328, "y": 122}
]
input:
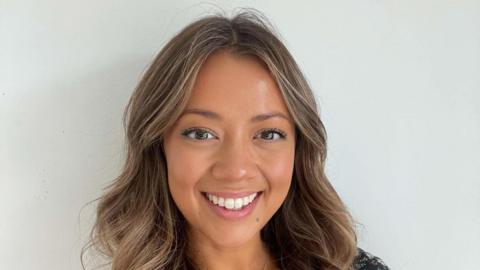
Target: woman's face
[{"x": 225, "y": 144}]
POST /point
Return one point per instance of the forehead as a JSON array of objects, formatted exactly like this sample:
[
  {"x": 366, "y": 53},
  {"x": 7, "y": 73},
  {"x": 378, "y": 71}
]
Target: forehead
[{"x": 236, "y": 86}]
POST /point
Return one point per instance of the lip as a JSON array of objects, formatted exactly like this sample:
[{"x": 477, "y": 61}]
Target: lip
[{"x": 232, "y": 215}]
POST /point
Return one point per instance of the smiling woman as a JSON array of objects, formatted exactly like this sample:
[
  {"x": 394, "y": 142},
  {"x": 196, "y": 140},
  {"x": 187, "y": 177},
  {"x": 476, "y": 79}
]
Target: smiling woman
[
  {"x": 240, "y": 165},
  {"x": 225, "y": 162}
]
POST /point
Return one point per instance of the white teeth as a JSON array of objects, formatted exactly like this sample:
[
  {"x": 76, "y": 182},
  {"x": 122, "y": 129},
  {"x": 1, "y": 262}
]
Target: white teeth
[
  {"x": 229, "y": 203},
  {"x": 238, "y": 203},
  {"x": 221, "y": 202},
  {"x": 232, "y": 203}
]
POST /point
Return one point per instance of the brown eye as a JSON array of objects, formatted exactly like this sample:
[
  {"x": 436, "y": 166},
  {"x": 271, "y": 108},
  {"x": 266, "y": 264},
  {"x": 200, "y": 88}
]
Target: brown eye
[
  {"x": 197, "y": 134},
  {"x": 273, "y": 134}
]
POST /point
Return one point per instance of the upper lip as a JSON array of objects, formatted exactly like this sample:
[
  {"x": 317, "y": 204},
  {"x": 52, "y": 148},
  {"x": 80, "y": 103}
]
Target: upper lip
[{"x": 240, "y": 194}]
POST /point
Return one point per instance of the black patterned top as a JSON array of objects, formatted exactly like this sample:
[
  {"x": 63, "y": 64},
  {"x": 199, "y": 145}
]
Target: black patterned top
[{"x": 367, "y": 261}]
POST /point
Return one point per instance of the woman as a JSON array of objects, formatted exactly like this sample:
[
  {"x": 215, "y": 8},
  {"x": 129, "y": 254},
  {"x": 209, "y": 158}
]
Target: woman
[{"x": 225, "y": 162}]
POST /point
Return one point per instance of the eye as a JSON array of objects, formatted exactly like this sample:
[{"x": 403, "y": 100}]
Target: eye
[
  {"x": 202, "y": 134},
  {"x": 273, "y": 133}
]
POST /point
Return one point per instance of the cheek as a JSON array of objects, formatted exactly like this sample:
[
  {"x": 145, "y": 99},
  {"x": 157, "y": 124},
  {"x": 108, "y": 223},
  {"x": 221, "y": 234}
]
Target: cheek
[
  {"x": 280, "y": 172},
  {"x": 283, "y": 164},
  {"x": 184, "y": 164},
  {"x": 185, "y": 168}
]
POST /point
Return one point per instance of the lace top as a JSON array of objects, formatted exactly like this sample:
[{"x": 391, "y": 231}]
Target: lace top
[{"x": 367, "y": 261}]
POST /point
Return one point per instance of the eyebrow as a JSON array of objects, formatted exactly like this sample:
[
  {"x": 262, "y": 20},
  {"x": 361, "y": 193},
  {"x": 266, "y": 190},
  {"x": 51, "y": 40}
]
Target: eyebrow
[{"x": 216, "y": 116}]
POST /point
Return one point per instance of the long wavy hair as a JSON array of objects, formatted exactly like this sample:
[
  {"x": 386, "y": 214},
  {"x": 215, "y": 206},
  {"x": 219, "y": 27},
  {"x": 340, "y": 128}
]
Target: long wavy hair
[{"x": 138, "y": 226}]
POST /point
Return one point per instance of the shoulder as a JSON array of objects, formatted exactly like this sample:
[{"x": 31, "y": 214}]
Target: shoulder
[{"x": 366, "y": 261}]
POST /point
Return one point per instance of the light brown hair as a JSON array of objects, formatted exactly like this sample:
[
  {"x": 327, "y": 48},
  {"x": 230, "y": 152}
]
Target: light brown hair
[{"x": 138, "y": 225}]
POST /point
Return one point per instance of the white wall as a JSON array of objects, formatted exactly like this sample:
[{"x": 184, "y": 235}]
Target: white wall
[{"x": 399, "y": 89}]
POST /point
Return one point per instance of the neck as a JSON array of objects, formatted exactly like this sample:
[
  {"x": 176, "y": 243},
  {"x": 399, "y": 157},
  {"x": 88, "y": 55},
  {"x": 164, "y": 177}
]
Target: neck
[{"x": 252, "y": 255}]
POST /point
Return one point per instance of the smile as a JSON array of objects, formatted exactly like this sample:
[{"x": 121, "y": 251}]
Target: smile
[
  {"x": 231, "y": 203},
  {"x": 232, "y": 208}
]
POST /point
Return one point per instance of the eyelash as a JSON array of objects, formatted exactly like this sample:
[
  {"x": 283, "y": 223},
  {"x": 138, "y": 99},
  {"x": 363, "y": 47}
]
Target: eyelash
[{"x": 267, "y": 131}]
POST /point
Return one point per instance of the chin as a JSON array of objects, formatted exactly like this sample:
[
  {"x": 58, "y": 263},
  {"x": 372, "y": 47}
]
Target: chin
[{"x": 229, "y": 237}]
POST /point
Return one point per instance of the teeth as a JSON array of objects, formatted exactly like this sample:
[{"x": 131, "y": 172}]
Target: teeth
[
  {"x": 238, "y": 203},
  {"x": 221, "y": 202},
  {"x": 231, "y": 203}
]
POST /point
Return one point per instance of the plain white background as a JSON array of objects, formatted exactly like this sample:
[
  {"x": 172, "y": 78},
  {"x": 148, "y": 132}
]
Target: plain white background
[{"x": 398, "y": 85}]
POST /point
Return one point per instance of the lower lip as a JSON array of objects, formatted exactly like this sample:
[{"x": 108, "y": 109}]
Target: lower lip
[{"x": 233, "y": 214}]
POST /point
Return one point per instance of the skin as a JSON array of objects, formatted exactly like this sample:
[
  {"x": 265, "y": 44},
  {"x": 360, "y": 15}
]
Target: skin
[{"x": 230, "y": 154}]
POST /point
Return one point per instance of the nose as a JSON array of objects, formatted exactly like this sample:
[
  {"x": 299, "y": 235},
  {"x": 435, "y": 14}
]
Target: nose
[{"x": 235, "y": 161}]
